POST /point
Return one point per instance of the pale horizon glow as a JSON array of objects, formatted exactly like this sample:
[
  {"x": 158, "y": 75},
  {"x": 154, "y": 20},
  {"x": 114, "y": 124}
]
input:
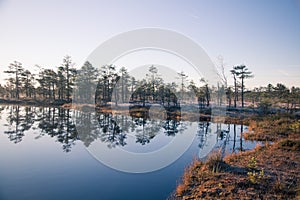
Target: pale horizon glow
[
  {"x": 168, "y": 65},
  {"x": 263, "y": 35}
]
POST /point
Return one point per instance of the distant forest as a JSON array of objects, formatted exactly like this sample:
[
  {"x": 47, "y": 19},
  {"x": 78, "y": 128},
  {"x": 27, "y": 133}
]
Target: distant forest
[{"x": 110, "y": 84}]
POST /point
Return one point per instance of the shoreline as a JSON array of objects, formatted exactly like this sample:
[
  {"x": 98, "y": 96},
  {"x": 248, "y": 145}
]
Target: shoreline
[
  {"x": 187, "y": 113},
  {"x": 33, "y": 102},
  {"x": 231, "y": 115},
  {"x": 270, "y": 171}
]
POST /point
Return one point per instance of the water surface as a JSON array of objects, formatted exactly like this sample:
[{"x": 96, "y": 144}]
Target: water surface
[{"x": 44, "y": 156}]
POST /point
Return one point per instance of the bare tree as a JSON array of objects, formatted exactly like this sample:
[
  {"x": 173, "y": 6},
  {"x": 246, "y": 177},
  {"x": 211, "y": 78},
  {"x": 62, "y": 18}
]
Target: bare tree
[
  {"x": 221, "y": 71},
  {"x": 182, "y": 77}
]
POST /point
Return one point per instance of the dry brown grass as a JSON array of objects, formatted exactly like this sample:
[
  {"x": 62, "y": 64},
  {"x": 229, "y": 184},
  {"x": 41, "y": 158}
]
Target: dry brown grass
[
  {"x": 187, "y": 178},
  {"x": 276, "y": 176},
  {"x": 271, "y": 171},
  {"x": 215, "y": 162},
  {"x": 272, "y": 129}
]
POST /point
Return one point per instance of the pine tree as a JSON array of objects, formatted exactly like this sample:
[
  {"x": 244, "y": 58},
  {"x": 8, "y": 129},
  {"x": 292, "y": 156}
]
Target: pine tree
[
  {"x": 242, "y": 72},
  {"x": 15, "y": 70}
]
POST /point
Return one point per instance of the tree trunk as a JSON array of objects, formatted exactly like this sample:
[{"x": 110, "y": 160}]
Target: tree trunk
[
  {"x": 242, "y": 92},
  {"x": 235, "y": 92}
]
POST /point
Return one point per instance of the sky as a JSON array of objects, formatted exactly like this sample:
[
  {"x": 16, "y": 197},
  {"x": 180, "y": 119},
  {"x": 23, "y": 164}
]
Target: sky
[{"x": 262, "y": 34}]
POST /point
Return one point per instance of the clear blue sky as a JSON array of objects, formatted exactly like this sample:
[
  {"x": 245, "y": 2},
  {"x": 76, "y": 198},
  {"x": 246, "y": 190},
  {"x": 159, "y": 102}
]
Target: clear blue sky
[{"x": 264, "y": 35}]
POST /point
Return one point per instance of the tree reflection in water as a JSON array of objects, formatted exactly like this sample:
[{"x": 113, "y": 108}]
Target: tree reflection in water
[
  {"x": 68, "y": 126},
  {"x": 54, "y": 122},
  {"x": 203, "y": 130},
  {"x": 111, "y": 132},
  {"x": 16, "y": 124},
  {"x": 58, "y": 123}
]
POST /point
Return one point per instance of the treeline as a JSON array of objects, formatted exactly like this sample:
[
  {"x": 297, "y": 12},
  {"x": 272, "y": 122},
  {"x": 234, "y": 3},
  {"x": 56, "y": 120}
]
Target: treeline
[
  {"x": 98, "y": 85},
  {"x": 277, "y": 95},
  {"x": 107, "y": 84},
  {"x": 46, "y": 84}
]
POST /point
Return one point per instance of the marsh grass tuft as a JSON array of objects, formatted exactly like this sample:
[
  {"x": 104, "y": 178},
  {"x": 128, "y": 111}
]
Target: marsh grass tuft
[{"x": 215, "y": 162}]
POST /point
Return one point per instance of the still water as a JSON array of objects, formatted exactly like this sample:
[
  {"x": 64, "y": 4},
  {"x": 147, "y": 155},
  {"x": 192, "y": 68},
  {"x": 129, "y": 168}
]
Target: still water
[{"x": 45, "y": 153}]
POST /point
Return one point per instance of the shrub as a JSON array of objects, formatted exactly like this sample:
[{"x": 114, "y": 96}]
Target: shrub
[
  {"x": 252, "y": 163},
  {"x": 265, "y": 106},
  {"x": 215, "y": 162},
  {"x": 256, "y": 177}
]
